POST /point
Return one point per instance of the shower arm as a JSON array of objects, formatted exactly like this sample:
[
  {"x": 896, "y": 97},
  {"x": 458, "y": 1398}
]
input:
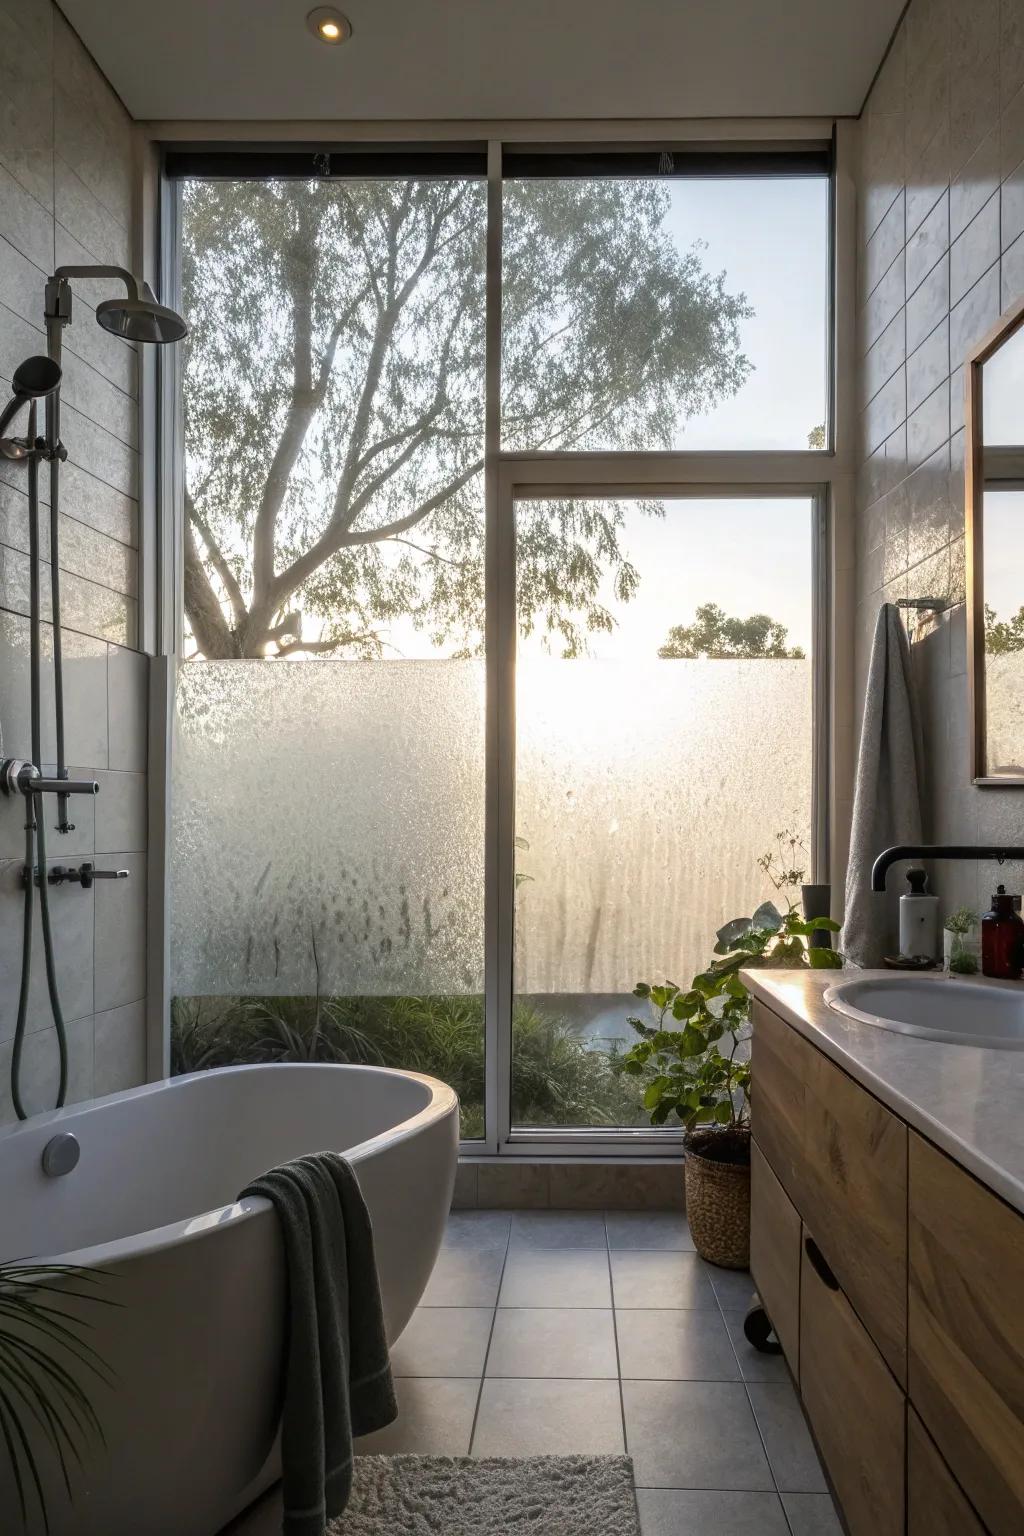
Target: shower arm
[{"x": 59, "y": 297}]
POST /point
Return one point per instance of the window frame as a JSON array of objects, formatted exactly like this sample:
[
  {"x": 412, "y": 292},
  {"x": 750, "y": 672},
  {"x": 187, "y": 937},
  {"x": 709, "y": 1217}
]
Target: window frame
[{"x": 822, "y": 475}]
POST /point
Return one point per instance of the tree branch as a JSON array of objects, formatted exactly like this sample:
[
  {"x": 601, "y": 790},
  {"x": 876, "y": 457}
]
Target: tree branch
[
  {"x": 202, "y": 605},
  {"x": 213, "y": 553}
]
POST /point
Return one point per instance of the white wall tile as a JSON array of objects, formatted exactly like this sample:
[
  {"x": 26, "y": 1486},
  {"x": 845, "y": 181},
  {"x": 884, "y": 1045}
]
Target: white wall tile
[
  {"x": 963, "y": 129},
  {"x": 66, "y": 195}
]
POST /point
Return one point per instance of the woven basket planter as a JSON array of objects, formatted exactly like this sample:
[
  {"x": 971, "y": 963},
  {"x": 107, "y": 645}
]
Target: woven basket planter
[{"x": 718, "y": 1196}]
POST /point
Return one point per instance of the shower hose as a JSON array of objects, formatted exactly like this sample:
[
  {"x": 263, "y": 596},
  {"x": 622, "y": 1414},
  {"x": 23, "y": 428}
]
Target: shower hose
[{"x": 35, "y": 821}]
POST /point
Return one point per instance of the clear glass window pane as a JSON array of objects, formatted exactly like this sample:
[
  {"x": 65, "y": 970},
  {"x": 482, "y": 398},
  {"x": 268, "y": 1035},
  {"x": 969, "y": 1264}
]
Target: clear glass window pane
[
  {"x": 660, "y": 748},
  {"x": 684, "y": 313},
  {"x": 333, "y": 401}
]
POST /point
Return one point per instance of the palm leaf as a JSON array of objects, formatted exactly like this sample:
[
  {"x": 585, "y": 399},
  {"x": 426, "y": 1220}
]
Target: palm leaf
[{"x": 42, "y": 1401}]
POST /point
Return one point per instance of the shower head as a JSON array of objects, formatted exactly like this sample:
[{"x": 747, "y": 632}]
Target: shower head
[
  {"x": 34, "y": 379},
  {"x": 141, "y": 318},
  {"x": 136, "y": 317}
]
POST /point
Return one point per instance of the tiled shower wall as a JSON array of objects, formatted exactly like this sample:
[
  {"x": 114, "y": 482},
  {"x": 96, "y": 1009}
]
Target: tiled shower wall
[
  {"x": 940, "y": 255},
  {"x": 66, "y": 179}
]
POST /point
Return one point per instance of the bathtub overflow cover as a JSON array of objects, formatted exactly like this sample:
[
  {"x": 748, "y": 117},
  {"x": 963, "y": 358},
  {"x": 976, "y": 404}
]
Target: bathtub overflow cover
[{"x": 61, "y": 1154}]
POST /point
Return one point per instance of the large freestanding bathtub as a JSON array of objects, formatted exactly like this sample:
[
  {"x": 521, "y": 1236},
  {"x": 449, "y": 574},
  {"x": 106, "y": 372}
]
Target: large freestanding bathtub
[{"x": 195, "y": 1338}]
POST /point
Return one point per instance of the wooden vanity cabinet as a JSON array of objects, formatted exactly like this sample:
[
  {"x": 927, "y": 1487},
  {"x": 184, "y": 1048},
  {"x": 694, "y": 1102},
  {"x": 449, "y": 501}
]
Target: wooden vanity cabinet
[
  {"x": 842, "y": 1158},
  {"x": 895, "y": 1284},
  {"x": 936, "y": 1505},
  {"x": 775, "y": 1255},
  {"x": 854, "y": 1403},
  {"x": 967, "y": 1332}
]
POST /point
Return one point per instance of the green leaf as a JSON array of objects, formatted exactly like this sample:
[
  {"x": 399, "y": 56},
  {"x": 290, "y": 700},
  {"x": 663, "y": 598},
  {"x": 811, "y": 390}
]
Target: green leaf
[
  {"x": 731, "y": 932},
  {"x": 767, "y": 917},
  {"x": 824, "y": 960}
]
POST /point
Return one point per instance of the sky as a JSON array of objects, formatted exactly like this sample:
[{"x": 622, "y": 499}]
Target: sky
[{"x": 769, "y": 236}]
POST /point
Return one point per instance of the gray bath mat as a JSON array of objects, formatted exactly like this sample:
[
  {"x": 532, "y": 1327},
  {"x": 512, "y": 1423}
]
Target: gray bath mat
[{"x": 493, "y": 1496}]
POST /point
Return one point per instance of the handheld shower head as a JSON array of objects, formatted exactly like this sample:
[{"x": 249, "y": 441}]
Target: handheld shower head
[{"x": 34, "y": 379}]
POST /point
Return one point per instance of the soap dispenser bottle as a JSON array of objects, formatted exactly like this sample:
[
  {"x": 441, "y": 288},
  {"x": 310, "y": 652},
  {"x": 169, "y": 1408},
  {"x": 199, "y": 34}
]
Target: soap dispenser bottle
[
  {"x": 1002, "y": 937},
  {"x": 919, "y": 918}
]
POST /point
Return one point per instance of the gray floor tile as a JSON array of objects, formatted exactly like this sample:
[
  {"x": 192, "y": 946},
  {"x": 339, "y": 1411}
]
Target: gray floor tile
[
  {"x": 733, "y": 1287},
  {"x": 812, "y": 1514},
  {"x": 465, "y": 1277},
  {"x": 754, "y": 1366},
  {"x": 477, "y": 1229},
  {"x": 644, "y": 1279},
  {"x": 675, "y": 1346},
  {"x": 553, "y": 1277},
  {"x": 558, "y": 1229},
  {"x": 444, "y": 1341},
  {"x": 548, "y": 1418},
  {"x": 556, "y": 1341},
  {"x": 648, "y": 1229},
  {"x": 685, "y": 1512},
  {"x": 693, "y": 1434},
  {"x": 435, "y": 1418},
  {"x": 787, "y": 1439}
]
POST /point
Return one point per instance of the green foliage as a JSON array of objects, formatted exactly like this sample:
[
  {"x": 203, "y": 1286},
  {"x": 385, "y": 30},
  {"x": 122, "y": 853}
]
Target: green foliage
[
  {"x": 693, "y": 1054},
  {"x": 334, "y": 399},
  {"x": 557, "y": 1078},
  {"x": 719, "y": 638},
  {"x": 816, "y": 437},
  {"x": 1003, "y": 635},
  {"x": 962, "y": 921},
  {"x": 44, "y": 1357}
]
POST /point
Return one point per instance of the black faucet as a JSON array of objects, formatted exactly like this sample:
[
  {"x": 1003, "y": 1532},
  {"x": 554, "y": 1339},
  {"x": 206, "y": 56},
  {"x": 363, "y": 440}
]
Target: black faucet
[{"x": 889, "y": 856}]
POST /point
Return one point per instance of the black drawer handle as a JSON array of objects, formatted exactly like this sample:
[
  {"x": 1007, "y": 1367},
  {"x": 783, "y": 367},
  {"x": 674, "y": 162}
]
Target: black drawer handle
[{"x": 819, "y": 1264}]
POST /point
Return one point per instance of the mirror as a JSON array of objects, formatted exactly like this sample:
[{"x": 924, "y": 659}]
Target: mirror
[{"x": 995, "y": 551}]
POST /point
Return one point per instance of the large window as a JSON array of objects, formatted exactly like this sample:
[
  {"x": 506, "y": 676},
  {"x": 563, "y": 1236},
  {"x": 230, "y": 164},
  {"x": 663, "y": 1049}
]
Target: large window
[{"x": 498, "y": 792}]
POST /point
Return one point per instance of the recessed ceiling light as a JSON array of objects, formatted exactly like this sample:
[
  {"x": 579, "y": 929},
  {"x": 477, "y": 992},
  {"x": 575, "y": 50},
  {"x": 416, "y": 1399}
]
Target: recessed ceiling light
[{"x": 329, "y": 25}]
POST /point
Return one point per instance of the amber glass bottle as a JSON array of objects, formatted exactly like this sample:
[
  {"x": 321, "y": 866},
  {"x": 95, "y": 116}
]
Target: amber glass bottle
[{"x": 1002, "y": 938}]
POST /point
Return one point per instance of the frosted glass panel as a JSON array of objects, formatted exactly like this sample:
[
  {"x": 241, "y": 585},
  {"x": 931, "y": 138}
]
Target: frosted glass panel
[
  {"x": 647, "y": 785},
  {"x": 366, "y": 875}
]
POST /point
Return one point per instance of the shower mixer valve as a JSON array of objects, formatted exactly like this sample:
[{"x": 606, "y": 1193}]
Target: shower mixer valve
[{"x": 84, "y": 875}]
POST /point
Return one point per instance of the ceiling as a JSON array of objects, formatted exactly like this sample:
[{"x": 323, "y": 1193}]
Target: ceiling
[{"x": 408, "y": 59}]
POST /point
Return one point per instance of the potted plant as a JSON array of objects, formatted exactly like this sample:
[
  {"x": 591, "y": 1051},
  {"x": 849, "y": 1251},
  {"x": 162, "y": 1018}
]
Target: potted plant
[{"x": 695, "y": 1059}]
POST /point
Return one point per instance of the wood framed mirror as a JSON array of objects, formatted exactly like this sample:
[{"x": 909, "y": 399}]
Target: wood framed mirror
[{"x": 994, "y": 504}]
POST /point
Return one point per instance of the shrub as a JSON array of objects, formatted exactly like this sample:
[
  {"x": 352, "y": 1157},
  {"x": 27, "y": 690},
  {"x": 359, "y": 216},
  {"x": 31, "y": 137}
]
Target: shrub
[{"x": 557, "y": 1077}]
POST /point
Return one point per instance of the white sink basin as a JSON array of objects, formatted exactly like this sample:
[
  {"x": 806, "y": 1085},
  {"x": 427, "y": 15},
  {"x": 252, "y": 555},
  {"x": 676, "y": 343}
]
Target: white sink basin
[{"x": 935, "y": 1008}]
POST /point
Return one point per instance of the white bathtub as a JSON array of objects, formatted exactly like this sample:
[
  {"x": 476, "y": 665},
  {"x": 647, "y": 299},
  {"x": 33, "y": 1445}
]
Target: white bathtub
[{"x": 196, "y": 1341}]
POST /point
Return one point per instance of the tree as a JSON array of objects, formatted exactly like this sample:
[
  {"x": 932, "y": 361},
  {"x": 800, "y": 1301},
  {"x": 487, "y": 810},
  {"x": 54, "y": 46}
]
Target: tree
[
  {"x": 816, "y": 437},
  {"x": 714, "y": 635},
  {"x": 1003, "y": 635},
  {"x": 334, "y": 399}
]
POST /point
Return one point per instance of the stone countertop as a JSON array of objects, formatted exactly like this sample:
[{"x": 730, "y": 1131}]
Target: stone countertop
[{"x": 966, "y": 1099}]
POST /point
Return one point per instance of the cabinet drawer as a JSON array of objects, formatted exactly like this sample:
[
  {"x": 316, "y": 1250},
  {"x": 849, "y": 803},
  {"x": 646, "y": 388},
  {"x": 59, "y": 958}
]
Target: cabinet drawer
[
  {"x": 778, "y": 1069},
  {"x": 775, "y": 1254},
  {"x": 855, "y": 1406},
  {"x": 843, "y": 1159},
  {"x": 966, "y": 1332},
  {"x": 935, "y": 1504}
]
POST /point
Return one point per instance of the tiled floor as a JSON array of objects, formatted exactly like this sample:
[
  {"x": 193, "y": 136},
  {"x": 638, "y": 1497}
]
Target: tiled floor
[{"x": 546, "y": 1333}]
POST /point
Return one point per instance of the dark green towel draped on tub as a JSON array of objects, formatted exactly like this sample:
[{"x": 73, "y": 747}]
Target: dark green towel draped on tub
[{"x": 337, "y": 1375}]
